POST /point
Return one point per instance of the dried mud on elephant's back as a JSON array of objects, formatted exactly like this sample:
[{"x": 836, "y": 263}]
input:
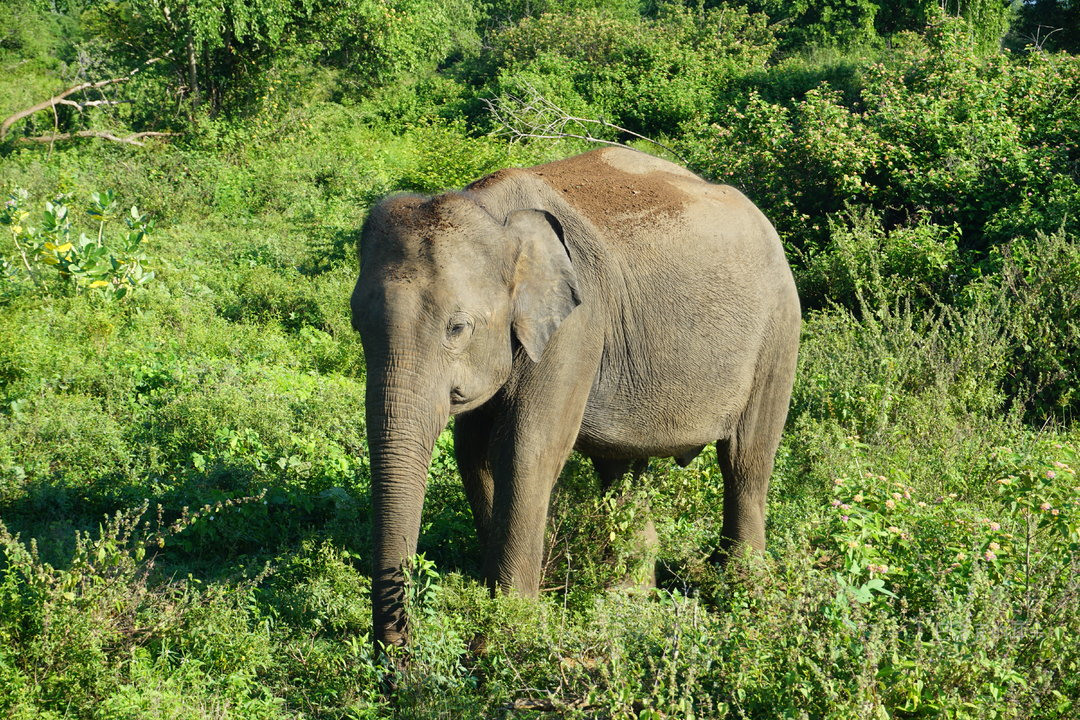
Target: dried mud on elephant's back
[{"x": 605, "y": 192}]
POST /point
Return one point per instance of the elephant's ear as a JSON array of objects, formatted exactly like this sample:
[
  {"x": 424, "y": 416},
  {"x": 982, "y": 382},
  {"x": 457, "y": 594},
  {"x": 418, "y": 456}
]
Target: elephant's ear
[{"x": 545, "y": 285}]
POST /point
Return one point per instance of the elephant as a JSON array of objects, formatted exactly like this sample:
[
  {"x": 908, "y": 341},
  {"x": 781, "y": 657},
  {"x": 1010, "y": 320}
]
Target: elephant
[{"x": 614, "y": 303}]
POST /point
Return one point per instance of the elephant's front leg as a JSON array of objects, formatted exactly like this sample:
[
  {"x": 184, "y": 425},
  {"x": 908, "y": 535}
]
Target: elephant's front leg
[{"x": 545, "y": 404}]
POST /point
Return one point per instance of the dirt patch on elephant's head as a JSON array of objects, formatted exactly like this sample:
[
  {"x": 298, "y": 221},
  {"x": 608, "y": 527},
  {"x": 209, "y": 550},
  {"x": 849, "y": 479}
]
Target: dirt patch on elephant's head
[
  {"x": 408, "y": 235},
  {"x": 611, "y": 184}
]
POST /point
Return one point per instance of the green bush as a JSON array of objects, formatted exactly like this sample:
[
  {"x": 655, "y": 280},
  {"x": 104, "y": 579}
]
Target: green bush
[
  {"x": 111, "y": 265},
  {"x": 1040, "y": 308},
  {"x": 651, "y": 76},
  {"x": 920, "y": 261},
  {"x": 938, "y": 132}
]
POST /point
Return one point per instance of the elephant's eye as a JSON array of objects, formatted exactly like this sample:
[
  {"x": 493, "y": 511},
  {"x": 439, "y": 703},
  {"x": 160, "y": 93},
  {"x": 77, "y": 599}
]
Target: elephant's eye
[{"x": 458, "y": 327}]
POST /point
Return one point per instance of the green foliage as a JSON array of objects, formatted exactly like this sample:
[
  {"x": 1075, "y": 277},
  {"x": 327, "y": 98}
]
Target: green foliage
[
  {"x": 206, "y": 49},
  {"x": 827, "y": 22},
  {"x": 29, "y": 30},
  {"x": 650, "y": 76},
  {"x": 377, "y": 41},
  {"x": 1048, "y": 25},
  {"x": 110, "y": 265},
  {"x": 921, "y": 261},
  {"x": 448, "y": 159},
  {"x": 839, "y": 23},
  {"x": 1038, "y": 280},
  {"x": 938, "y": 133}
]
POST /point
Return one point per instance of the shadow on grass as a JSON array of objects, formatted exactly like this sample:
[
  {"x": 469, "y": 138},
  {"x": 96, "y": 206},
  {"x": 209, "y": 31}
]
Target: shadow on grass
[{"x": 234, "y": 522}]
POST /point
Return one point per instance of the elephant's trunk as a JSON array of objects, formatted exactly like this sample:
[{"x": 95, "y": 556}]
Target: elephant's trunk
[{"x": 403, "y": 419}]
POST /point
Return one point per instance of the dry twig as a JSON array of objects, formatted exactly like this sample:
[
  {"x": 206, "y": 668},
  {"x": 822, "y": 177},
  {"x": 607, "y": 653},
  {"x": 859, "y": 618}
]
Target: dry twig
[
  {"x": 534, "y": 116},
  {"x": 132, "y": 139}
]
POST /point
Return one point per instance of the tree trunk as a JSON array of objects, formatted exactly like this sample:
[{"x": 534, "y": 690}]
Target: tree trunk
[{"x": 193, "y": 75}]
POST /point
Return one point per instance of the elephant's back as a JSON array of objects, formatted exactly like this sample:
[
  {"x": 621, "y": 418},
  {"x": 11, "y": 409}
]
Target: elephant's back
[
  {"x": 686, "y": 279},
  {"x": 619, "y": 185},
  {"x": 693, "y": 278}
]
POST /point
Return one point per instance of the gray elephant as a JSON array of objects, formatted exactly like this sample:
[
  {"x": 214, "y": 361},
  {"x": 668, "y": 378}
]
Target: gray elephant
[{"x": 612, "y": 303}]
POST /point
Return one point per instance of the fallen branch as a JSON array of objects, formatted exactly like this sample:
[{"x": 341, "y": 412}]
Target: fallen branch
[
  {"x": 558, "y": 706},
  {"x": 537, "y": 117},
  {"x": 132, "y": 139},
  {"x": 61, "y": 98},
  {"x": 548, "y": 705}
]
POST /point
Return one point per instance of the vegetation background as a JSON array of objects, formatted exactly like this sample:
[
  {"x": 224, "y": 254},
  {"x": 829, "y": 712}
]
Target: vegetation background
[{"x": 183, "y": 479}]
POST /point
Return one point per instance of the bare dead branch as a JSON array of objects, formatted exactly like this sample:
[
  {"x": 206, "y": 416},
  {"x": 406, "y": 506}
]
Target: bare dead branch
[
  {"x": 132, "y": 139},
  {"x": 80, "y": 106},
  {"x": 534, "y": 116},
  {"x": 60, "y": 98}
]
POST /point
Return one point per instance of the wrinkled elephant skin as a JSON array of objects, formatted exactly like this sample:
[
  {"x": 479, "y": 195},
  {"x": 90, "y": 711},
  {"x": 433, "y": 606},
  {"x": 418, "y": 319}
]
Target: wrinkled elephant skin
[{"x": 612, "y": 303}]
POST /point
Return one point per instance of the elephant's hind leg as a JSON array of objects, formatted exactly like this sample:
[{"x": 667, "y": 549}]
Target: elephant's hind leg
[
  {"x": 746, "y": 458},
  {"x": 642, "y": 572},
  {"x": 472, "y": 440}
]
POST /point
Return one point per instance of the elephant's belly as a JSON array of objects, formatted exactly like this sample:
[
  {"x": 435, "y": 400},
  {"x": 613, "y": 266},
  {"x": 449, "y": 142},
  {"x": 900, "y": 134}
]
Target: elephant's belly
[{"x": 677, "y": 422}]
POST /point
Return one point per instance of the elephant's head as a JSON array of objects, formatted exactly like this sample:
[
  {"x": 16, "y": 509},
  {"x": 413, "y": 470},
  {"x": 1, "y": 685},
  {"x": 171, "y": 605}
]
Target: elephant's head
[{"x": 445, "y": 295}]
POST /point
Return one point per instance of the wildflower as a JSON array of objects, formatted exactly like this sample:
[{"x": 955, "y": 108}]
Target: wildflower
[
  {"x": 877, "y": 569},
  {"x": 844, "y": 518},
  {"x": 1060, "y": 465},
  {"x": 838, "y": 481},
  {"x": 890, "y": 504},
  {"x": 1054, "y": 511},
  {"x": 921, "y": 504},
  {"x": 952, "y": 496},
  {"x": 845, "y": 506},
  {"x": 990, "y": 556},
  {"x": 858, "y": 498},
  {"x": 896, "y": 496},
  {"x": 907, "y": 495},
  {"x": 1050, "y": 474},
  {"x": 1005, "y": 481},
  {"x": 836, "y": 503},
  {"x": 995, "y": 526},
  {"x": 994, "y": 546},
  {"x": 1044, "y": 506},
  {"x": 893, "y": 529}
]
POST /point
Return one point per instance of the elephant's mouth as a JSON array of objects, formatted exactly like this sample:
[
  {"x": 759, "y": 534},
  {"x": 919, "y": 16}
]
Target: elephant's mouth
[{"x": 457, "y": 397}]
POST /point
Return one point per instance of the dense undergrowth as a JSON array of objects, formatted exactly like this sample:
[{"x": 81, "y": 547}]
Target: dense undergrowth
[{"x": 183, "y": 477}]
